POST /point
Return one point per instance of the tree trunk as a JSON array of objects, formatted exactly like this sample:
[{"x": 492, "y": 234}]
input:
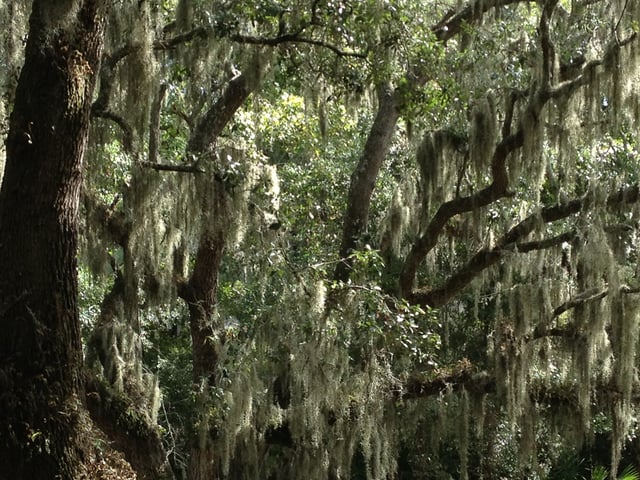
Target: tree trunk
[
  {"x": 201, "y": 291},
  {"x": 40, "y": 349},
  {"x": 201, "y": 297},
  {"x": 363, "y": 178}
]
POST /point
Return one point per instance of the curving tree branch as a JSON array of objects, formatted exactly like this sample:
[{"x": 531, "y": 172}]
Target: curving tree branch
[
  {"x": 453, "y": 22},
  {"x": 294, "y": 38},
  {"x": 509, "y": 244}
]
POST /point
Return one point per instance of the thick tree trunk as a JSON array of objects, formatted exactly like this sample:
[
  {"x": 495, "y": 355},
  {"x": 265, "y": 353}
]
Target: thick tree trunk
[{"x": 40, "y": 350}]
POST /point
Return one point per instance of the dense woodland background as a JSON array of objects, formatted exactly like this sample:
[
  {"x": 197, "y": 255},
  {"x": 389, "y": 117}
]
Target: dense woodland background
[{"x": 320, "y": 239}]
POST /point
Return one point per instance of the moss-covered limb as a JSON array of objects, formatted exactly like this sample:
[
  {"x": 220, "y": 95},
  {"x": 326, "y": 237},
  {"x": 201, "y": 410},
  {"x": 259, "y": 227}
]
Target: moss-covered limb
[
  {"x": 447, "y": 210},
  {"x": 524, "y": 247},
  {"x": 295, "y": 37},
  {"x": 466, "y": 377},
  {"x": 154, "y": 123},
  {"x": 512, "y": 240},
  {"x": 101, "y": 107},
  {"x": 128, "y": 428},
  {"x": 454, "y": 381},
  {"x": 589, "y": 295},
  {"x": 114, "y": 222},
  {"x": 566, "y": 88},
  {"x": 111, "y": 61},
  {"x": 496, "y": 190},
  {"x": 212, "y": 123},
  {"x": 173, "y": 168},
  {"x": 472, "y": 13},
  {"x": 181, "y": 39},
  {"x": 546, "y": 45},
  {"x": 510, "y": 109}
]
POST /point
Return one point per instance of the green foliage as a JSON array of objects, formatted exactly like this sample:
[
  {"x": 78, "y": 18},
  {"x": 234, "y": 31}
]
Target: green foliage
[
  {"x": 91, "y": 291},
  {"x": 109, "y": 170},
  {"x": 629, "y": 473},
  {"x": 386, "y": 326}
]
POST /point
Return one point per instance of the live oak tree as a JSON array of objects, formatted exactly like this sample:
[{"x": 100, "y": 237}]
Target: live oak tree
[
  {"x": 402, "y": 235},
  {"x": 41, "y": 380}
]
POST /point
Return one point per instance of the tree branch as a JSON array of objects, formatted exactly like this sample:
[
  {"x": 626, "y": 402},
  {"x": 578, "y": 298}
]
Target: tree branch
[
  {"x": 171, "y": 43},
  {"x": 210, "y": 126},
  {"x": 294, "y": 38},
  {"x": 581, "y": 298},
  {"x": 567, "y": 87},
  {"x": 461, "y": 378},
  {"x": 526, "y": 247},
  {"x": 589, "y": 296},
  {"x": 154, "y": 124},
  {"x": 127, "y": 131},
  {"x": 113, "y": 222},
  {"x": 364, "y": 177},
  {"x": 496, "y": 190},
  {"x": 452, "y": 23},
  {"x": 100, "y": 107},
  {"x": 509, "y": 243},
  {"x": 570, "y": 331},
  {"x": 483, "y": 383},
  {"x": 546, "y": 45},
  {"x": 173, "y": 168}
]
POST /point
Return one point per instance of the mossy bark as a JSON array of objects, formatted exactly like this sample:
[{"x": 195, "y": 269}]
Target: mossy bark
[
  {"x": 201, "y": 290},
  {"x": 40, "y": 350}
]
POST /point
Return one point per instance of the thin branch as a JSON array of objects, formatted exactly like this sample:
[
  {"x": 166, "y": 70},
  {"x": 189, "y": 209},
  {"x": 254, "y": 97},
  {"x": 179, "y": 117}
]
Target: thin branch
[
  {"x": 571, "y": 331},
  {"x": 173, "y": 168},
  {"x": 293, "y": 38},
  {"x": 624, "y": 9},
  {"x": 589, "y": 296},
  {"x": 545, "y": 243},
  {"x": 451, "y": 24},
  {"x": 541, "y": 331},
  {"x": 171, "y": 43}
]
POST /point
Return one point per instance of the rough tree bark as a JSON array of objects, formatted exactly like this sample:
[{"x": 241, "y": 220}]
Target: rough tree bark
[
  {"x": 40, "y": 350},
  {"x": 201, "y": 290}
]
